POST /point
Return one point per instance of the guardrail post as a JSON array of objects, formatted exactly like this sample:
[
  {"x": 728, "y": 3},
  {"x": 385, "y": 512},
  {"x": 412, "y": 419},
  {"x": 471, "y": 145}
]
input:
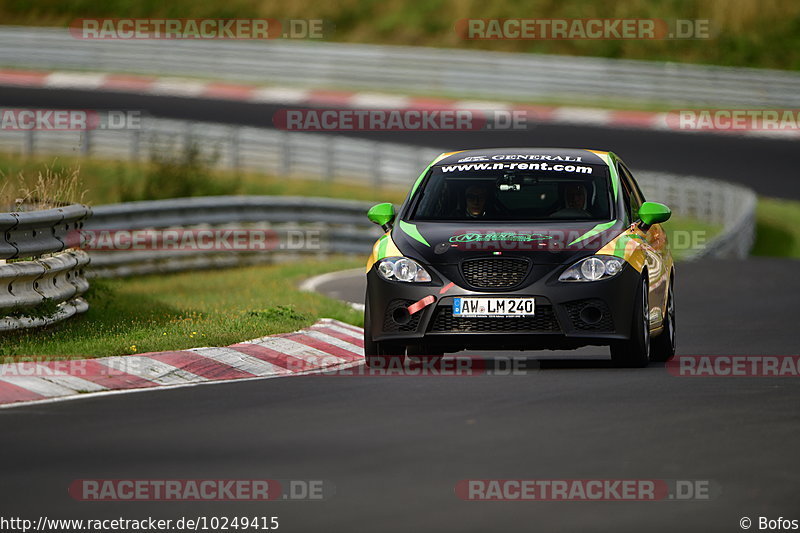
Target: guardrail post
[
  {"x": 30, "y": 142},
  {"x": 234, "y": 151},
  {"x": 286, "y": 154},
  {"x": 377, "y": 174},
  {"x": 330, "y": 158},
  {"x": 187, "y": 137},
  {"x": 136, "y": 141},
  {"x": 86, "y": 142}
]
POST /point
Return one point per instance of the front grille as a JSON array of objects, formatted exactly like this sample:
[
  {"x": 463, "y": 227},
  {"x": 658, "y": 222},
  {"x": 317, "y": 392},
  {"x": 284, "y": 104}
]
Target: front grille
[
  {"x": 544, "y": 321},
  {"x": 494, "y": 273},
  {"x": 606, "y": 322},
  {"x": 389, "y": 323}
]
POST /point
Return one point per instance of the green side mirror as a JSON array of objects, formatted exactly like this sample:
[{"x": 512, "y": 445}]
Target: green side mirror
[
  {"x": 382, "y": 215},
  {"x": 654, "y": 213}
]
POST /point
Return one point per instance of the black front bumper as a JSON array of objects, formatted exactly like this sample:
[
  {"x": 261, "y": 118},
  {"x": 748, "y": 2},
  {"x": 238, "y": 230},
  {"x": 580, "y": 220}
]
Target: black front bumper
[{"x": 558, "y": 323}]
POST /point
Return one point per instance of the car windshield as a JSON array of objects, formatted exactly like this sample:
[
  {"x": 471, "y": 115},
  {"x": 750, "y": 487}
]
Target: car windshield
[{"x": 502, "y": 191}]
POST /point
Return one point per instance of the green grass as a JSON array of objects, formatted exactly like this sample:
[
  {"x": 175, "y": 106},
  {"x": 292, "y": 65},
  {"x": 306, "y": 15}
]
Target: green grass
[
  {"x": 187, "y": 310},
  {"x": 750, "y": 33},
  {"x": 108, "y": 182},
  {"x": 777, "y": 228}
]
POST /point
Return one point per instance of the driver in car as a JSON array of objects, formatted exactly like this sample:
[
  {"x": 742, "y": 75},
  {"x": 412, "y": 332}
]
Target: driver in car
[
  {"x": 475, "y": 197},
  {"x": 574, "y": 202}
]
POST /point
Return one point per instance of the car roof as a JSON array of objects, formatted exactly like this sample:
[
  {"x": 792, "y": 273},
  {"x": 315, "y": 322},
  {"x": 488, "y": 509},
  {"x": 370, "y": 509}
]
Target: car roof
[{"x": 591, "y": 157}]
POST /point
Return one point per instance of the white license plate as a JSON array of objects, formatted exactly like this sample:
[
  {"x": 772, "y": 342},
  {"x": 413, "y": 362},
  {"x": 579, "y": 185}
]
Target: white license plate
[{"x": 491, "y": 307}]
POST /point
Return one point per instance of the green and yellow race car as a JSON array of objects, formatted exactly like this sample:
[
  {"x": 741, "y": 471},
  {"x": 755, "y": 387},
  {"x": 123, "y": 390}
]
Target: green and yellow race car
[{"x": 521, "y": 249}]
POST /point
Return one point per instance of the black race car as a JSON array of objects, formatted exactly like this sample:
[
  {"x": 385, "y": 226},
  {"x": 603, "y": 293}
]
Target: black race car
[{"x": 521, "y": 249}]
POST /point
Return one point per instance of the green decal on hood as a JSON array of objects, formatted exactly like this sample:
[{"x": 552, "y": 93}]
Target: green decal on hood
[
  {"x": 384, "y": 242},
  {"x": 412, "y": 231},
  {"x": 502, "y": 236},
  {"x": 419, "y": 179},
  {"x": 622, "y": 243},
  {"x": 594, "y": 231},
  {"x": 421, "y": 176},
  {"x": 614, "y": 177}
]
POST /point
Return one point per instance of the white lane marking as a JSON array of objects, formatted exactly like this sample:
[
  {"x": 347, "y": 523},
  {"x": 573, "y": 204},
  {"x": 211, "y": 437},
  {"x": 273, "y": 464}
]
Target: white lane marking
[
  {"x": 38, "y": 385},
  {"x": 178, "y": 87},
  {"x": 580, "y": 115},
  {"x": 343, "y": 365},
  {"x": 78, "y": 80},
  {"x": 150, "y": 369},
  {"x": 346, "y": 331},
  {"x": 301, "y": 351},
  {"x": 168, "y": 376},
  {"x": 311, "y": 284},
  {"x": 481, "y": 105},
  {"x": 240, "y": 361},
  {"x": 345, "y": 345},
  {"x": 380, "y": 101},
  {"x": 71, "y": 382},
  {"x": 283, "y": 95},
  {"x": 659, "y": 122}
]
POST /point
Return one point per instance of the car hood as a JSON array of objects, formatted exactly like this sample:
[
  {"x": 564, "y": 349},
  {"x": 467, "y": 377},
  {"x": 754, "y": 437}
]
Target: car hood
[{"x": 551, "y": 243}]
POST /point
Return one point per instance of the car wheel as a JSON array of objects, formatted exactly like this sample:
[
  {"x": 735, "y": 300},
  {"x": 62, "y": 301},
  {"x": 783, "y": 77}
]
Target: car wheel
[
  {"x": 635, "y": 352},
  {"x": 662, "y": 348}
]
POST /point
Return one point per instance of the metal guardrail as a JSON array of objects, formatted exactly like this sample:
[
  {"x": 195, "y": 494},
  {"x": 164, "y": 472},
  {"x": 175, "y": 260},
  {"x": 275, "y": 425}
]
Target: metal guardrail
[
  {"x": 468, "y": 74},
  {"x": 35, "y": 233},
  {"x": 276, "y": 152},
  {"x": 330, "y": 225},
  {"x": 732, "y": 207},
  {"x": 46, "y": 267}
]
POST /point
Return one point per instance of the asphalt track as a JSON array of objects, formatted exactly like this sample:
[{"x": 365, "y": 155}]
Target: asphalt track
[{"x": 394, "y": 448}]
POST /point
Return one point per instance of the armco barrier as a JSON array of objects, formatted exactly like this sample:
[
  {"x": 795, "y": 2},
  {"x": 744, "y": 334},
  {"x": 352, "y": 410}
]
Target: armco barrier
[
  {"x": 263, "y": 150},
  {"x": 45, "y": 266},
  {"x": 460, "y": 73},
  {"x": 325, "y": 225}
]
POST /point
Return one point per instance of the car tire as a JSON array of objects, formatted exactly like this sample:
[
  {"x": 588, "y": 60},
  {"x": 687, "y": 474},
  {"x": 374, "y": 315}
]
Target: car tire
[
  {"x": 662, "y": 348},
  {"x": 380, "y": 354},
  {"x": 635, "y": 351}
]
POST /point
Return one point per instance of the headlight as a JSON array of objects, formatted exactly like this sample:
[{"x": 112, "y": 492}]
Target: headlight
[
  {"x": 402, "y": 269},
  {"x": 593, "y": 268}
]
